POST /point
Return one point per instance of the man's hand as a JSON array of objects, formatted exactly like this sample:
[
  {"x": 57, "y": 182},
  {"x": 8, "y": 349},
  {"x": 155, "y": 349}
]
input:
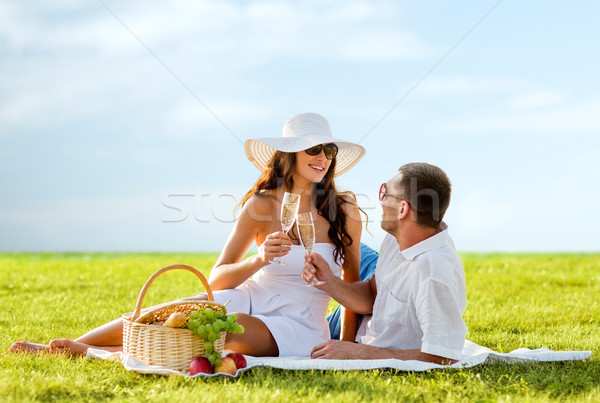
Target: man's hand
[
  {"x": 316, "y": 267},
  {"x": 345, "y": 350},
  {"x": 338, "y": 350}
]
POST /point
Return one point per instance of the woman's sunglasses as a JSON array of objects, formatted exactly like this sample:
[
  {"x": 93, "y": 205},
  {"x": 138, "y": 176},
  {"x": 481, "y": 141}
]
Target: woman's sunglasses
[{"x": 330, "y": 149}]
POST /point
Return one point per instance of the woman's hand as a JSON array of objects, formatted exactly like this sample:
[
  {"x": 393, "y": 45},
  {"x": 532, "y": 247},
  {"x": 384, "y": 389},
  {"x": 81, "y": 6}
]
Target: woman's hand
[
  {"x": 316, "y": 267},
  {"x": 276, "y": 245}
]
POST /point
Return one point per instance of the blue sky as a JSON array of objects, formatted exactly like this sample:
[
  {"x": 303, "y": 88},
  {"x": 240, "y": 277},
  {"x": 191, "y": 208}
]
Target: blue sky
[{"x": 109, "y": 140}]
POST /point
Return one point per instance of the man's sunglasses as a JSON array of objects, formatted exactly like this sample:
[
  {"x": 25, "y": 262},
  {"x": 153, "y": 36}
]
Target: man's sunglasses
[
  {"x": 330, "y": 149},
  {"x": 383, "y": 193}
]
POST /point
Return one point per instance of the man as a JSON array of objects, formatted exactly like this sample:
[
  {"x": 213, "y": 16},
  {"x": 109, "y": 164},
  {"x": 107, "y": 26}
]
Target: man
[{"x": 417, "y": 294}]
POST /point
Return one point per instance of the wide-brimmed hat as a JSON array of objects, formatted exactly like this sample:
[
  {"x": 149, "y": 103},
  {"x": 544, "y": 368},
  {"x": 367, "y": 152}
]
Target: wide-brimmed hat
[{"x": 301, "y": 132}]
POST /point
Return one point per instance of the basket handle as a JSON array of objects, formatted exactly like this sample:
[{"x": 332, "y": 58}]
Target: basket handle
[{"x": 138, "y": 304}]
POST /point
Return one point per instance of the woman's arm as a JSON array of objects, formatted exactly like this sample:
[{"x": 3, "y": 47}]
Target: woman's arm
[
  {"x": 231, "y": 269},
  {"x": 351, "y": 266}
]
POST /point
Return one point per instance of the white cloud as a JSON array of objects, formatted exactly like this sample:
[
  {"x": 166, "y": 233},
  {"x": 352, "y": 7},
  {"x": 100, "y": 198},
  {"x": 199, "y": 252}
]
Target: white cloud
[
  {"x": 463, "y": 85},
  {"x": 51, "y": 27},
  {"x": 275, "y": 14},
  {"x": 189, "y": 119},
  {"x": 151, "y": 155},
  {"x": 385, "y": 45},
  {"x": 211, "y": 27},
  {"x": 535, "y": 100},
  {"x": 582, "y": 118},
  {"x": 357, "y": 11},
  {"x": 369, "y": 113},
  {"x": 53, "y": 96},
  {"x": 69, "y": 60}
]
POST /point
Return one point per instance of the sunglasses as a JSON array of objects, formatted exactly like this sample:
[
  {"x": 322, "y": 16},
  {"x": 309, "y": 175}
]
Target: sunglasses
[
  {"x": 383, "y": 193},
  {"x": 330, "y": 149}
]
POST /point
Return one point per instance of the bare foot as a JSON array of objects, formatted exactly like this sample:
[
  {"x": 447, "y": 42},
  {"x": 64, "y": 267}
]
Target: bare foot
[
  {"x": 68, "y": 347},
  {"x": 28, "y": 347}
]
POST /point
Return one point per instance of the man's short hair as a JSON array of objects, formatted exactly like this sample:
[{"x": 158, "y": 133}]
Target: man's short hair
[{"x": 427, "y": 188}]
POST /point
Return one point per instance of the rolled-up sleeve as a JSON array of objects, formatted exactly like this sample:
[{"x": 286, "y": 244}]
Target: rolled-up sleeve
[{"x": 439, "y": 312}]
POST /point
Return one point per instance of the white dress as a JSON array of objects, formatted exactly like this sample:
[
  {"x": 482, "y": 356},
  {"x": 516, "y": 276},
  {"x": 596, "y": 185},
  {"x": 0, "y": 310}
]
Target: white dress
[{"x": 278, "y": 296}]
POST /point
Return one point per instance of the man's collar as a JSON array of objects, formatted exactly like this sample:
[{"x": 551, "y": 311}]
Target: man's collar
[{"x": 433, "y": 242}]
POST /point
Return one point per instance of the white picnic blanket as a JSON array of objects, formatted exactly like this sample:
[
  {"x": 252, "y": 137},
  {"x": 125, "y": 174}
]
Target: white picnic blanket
[{"x": 472, "y": 355}]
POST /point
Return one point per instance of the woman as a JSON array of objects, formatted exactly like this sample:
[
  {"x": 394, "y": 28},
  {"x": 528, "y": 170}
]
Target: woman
[{"x": 281, "y": 315}]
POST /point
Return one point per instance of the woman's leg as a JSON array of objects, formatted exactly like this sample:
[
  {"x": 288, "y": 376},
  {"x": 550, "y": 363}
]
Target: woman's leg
[
  {"x": 74, "y": 348},
  {"x": 28, "y": 347},
  {"x": 109, "y": 334},
  {"x": 256, "y": 340},
  {"x": 107, "y": 337}
]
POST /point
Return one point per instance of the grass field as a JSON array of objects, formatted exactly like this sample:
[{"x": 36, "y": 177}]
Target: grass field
[{"x": 513, "y": 301}]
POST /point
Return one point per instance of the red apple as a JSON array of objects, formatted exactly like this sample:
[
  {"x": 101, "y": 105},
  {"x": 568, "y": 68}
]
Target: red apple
[
  {"x": 239, "y": 359},
  {"x": 200, "y": 365},
  {"x": 227, "y": 366}
]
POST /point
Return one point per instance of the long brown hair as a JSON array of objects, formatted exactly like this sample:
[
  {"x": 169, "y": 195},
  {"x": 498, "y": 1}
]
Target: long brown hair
[{"x": 328, "y": 200}]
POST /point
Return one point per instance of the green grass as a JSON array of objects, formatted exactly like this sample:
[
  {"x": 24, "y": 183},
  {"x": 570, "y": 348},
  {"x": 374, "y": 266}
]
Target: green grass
[{"x": 514, "y": 301}]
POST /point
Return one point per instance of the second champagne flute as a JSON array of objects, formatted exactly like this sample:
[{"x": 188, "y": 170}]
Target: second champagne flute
[{"x": 306, "y": 229}]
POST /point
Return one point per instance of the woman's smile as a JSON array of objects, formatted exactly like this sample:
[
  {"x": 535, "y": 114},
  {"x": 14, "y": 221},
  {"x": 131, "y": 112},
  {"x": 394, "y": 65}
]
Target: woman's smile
[{"x": 317, "y": 167}]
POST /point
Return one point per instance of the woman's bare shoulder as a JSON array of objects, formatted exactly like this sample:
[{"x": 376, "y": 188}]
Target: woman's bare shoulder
[
  {"x": 350, "y": 203},
  {"x": 261, "y": 204},
  {"x": 350, "y": 206}
]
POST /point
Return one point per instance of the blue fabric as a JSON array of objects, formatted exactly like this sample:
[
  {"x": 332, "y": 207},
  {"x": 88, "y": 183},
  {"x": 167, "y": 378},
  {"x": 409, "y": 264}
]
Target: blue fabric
[{"x": 368, "y": 261}]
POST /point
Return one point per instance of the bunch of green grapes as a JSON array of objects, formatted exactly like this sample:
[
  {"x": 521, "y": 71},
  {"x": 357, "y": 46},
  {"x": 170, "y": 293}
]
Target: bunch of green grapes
[{"x": 208, "y": 324}]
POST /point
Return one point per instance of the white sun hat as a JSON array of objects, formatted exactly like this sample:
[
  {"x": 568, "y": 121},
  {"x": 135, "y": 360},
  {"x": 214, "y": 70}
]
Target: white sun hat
[{"x": 300, "y": 132}]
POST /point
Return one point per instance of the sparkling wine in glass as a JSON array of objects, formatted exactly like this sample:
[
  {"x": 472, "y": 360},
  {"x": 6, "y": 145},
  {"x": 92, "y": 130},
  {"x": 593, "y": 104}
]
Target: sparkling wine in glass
[
  {"x": 306, "y": 228},
  {"x": 289, "y": 210}
]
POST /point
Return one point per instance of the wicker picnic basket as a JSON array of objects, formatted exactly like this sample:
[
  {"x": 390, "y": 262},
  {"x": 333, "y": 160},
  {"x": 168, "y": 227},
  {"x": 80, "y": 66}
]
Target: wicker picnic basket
[{"x": 145, "y": 338}]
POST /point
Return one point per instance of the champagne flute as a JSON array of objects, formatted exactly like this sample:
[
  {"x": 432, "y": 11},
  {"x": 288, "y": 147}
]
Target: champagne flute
[
  {"x": 289, "y": 209},
  {"x": 306, "y": 229}
]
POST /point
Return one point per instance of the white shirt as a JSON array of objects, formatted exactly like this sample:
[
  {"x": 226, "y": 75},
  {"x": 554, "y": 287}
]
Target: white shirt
[{"x": 420, "y": 298}]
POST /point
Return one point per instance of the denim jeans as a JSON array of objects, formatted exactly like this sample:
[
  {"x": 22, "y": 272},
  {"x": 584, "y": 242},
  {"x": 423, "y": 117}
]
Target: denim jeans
[{"x": 368, "y": 260}]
